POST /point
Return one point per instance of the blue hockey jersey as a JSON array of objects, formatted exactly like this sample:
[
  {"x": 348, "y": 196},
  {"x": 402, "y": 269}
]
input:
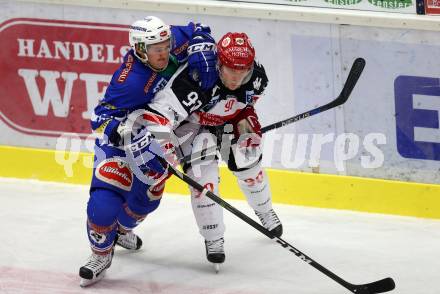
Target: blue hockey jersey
[{"x": 134, "y": 84}]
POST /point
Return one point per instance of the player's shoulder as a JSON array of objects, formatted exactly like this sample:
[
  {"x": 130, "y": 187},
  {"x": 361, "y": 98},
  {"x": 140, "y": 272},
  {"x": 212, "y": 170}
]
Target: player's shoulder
[
  {"x": 132, "y": 72},
  {"x": 181, "y": 82},
  {"x": 259, "y": 79},
  {"x": 259, "y": 70},
  {"x": 180, "y": 41}
]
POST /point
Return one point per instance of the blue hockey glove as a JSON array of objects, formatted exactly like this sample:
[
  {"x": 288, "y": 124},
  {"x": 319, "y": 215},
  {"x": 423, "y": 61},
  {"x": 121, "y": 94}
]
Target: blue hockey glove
[
  {"x": 202, "y": 60},
  {"x": 199, "y": 27}
]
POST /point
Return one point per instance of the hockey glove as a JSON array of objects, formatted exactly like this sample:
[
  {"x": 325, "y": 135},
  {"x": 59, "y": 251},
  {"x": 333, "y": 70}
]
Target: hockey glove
[
  {"x": 247, "y": 129},
  {"x": 118, "y": 133},
  {"x": 202, "y": 60},
  {"x": 199, "y": 27},
  {"x": 144, "y": 151}
]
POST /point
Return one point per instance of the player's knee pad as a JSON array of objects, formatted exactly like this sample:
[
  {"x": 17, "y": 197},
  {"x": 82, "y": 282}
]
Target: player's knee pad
[
  {"x": 128, "y": 219},
  {"x": 102, "y": 210},
  {"x": 255, "y": 185},
  {"x": 135, "y": 210},
  {"x": 103, "y": 206}
]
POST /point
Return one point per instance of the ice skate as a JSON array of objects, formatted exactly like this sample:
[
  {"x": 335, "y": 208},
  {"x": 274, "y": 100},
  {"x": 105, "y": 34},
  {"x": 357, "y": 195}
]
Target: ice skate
[
  {"x": 129, "y": 241},
  {"x": 215, "y": 252},
  {"x": 95, "y": 268},
  {"x": 271, "y": 222}
]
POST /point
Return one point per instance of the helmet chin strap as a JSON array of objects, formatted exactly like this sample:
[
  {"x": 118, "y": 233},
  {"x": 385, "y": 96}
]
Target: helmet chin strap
[{"x": 142, "y": 59}]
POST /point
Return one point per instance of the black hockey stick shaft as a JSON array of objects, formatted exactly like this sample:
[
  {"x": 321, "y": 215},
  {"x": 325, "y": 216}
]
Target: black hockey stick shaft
[
  {"x": 380, "y": 286},
  {"x": 353, "y": 77},
  {"x": 350, "y": 83}
]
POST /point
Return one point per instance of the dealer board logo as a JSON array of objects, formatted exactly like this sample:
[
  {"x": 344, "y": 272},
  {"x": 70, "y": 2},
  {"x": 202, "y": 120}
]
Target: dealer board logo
[
  {"x": 392, "y": 4},
  {"x": 343, "y": 2},
  {"x": 54, "y": 72},
  {"x": 417, "y": 101}
]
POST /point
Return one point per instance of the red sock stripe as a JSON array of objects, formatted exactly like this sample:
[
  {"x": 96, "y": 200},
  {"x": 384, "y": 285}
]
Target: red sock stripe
[
  {"x": 133, "y": 214},
  {"x": 101, "y": 229}
]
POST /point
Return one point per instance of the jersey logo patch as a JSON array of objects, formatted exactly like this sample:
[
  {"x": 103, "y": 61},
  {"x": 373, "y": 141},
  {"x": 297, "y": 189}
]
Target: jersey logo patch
[
  {"x": 124, "y": 73},
  {"x": 180, "y": 49},
  {"x": 115, "y": 172},
  {"x": 150, "y": 82},
  {"x": 257, "y": 83},
  {"x": 229, "y": 104}
]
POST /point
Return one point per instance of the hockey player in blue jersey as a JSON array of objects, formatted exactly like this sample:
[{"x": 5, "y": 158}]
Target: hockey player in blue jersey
[{"x": 119, "y": 199}]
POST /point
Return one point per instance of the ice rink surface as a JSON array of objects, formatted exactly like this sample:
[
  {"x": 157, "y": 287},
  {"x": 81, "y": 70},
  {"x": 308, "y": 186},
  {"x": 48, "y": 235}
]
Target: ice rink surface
[{"x": 43, "y": 244}]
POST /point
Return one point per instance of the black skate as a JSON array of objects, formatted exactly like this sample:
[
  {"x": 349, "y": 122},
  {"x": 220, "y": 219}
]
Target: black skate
[
  {"x": 271, "y": 222},
  {"x": 215, "y": 252}
]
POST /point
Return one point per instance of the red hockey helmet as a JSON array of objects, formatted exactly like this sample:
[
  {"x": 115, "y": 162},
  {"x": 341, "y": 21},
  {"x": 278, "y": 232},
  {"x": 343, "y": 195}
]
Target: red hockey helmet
[{"x": 235, "y": 50}]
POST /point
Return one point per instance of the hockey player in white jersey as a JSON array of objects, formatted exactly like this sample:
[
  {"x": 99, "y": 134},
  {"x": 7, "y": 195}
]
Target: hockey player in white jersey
[{"x": 242, "y": 82}]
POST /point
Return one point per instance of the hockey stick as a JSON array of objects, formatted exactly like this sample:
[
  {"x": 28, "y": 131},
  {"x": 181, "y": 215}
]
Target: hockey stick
[
  {"x": 380, "y": 286},
  {"x": 350, "y": 83},
  {"x": 353, "y": 77}
]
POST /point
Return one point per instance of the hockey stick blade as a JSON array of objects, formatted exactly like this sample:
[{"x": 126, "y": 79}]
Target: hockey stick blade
[{"x": 380, "y": 286}]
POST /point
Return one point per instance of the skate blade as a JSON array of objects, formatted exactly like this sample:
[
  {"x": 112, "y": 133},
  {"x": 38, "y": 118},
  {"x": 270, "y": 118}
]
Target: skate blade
[
  {"x": 87, "y": 282},
  {"x": 216, "y": 267}
]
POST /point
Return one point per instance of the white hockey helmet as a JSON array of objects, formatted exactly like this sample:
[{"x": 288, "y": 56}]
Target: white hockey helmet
[{"x": 147, "y": 31}]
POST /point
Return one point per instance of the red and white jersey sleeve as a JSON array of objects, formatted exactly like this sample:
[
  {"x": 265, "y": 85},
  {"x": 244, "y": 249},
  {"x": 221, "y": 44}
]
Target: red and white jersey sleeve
[{"x": 226, "y": 104}]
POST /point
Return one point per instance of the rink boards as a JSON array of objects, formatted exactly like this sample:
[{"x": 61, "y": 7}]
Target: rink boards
[
  {"x": 289, "y": 187},
  {"x": 386, "y": 134}
]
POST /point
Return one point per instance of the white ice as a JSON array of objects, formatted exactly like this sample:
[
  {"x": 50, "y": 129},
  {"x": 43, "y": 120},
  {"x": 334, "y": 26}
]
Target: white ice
[{"x": 43, "y": 244}]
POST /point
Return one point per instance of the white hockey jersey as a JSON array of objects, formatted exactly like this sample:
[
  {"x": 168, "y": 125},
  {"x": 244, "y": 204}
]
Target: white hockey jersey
[{"x": 182, "y": 99}]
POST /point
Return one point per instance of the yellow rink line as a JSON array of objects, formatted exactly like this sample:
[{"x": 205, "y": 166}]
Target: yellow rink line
[{"x": 288, "y": 187}]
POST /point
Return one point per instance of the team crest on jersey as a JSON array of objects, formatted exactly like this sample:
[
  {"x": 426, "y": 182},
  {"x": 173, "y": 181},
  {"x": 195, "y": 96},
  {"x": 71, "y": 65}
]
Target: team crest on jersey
[
  {"x": 115, "y": 172},
  {"x": 230, "y": 103},
  {"x": 257, "y": 83}
]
